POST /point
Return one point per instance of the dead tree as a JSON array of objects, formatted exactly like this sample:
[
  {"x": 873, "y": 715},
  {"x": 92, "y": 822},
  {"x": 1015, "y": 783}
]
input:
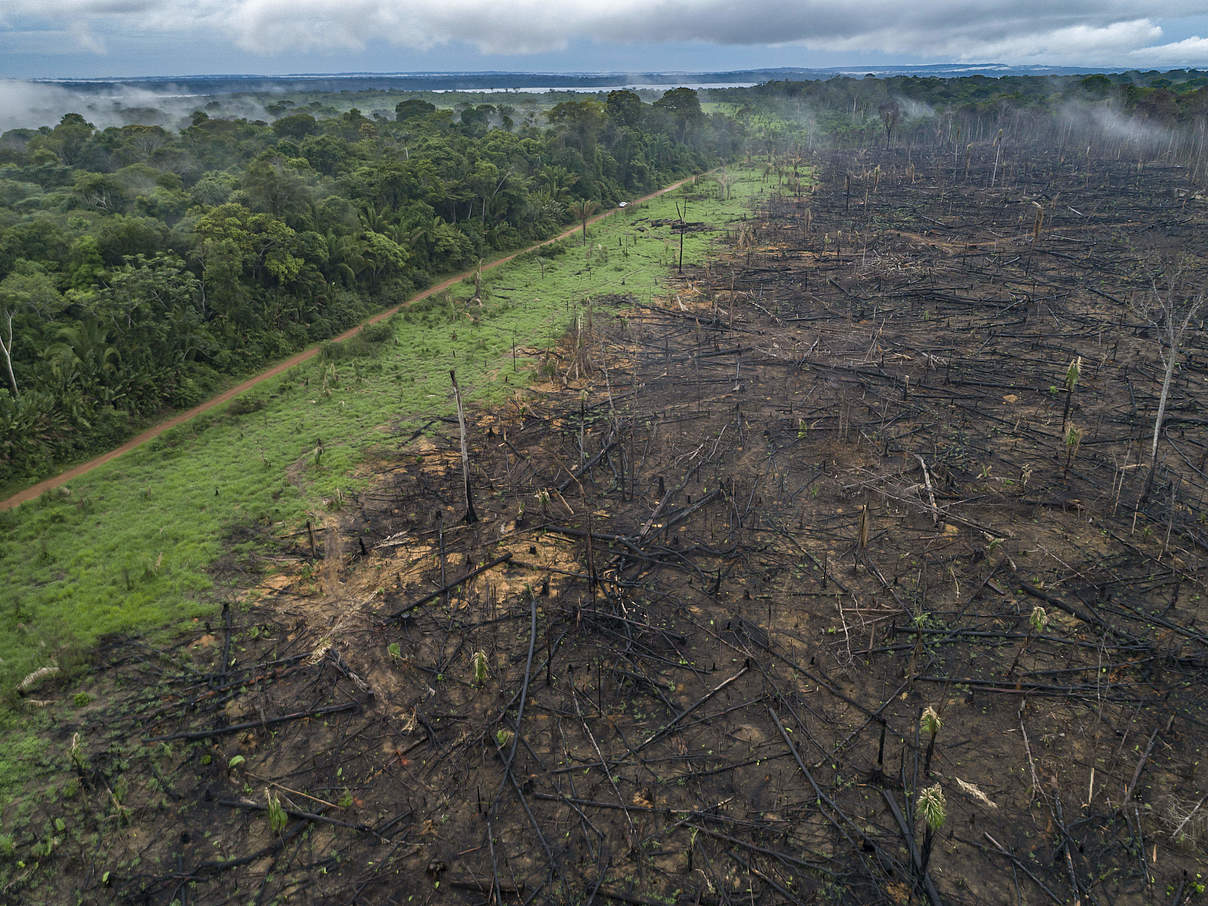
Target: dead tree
[
  {"x": 1170, "y": 314},
  {"x": 682, "y": 226},
  {"x": 724, "y": 182},
  {"x": 890, "y": 114},
  {"x": 471, "y": 517},
  {"x": 6, "y": 347}
]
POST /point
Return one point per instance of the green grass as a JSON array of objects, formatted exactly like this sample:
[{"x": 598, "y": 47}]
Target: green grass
[{"x": 128, "y": 547}]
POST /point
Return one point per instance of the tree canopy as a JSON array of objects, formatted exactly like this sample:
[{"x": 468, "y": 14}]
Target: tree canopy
[{"x": 139, "y": 264}]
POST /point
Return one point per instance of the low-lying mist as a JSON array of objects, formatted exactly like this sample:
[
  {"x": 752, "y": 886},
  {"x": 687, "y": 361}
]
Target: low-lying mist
[{"x": 30, "y": 105}]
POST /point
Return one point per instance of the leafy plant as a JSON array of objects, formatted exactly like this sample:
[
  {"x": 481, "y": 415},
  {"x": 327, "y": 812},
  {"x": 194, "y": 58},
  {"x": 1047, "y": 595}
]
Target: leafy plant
[
  {"x": 1071, "y": 381},
  {"x": 1038, "y": 621},
  {"x": 932, "y": 807},
  {"x": 1072, "y": 438},
  {"x": 277, "y": 816},
  {"x": 479, "y": 663}
]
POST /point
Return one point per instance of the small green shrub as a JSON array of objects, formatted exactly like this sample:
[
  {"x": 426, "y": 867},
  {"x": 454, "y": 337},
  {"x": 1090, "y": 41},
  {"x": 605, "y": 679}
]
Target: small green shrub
[{"x": 249, "y": 402}]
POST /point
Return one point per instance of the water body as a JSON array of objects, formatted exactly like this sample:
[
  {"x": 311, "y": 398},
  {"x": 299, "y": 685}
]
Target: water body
[{"x": 637, "y": 86}]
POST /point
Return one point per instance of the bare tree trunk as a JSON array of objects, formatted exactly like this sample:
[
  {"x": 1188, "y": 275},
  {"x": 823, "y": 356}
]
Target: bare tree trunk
[
  {"x": 1157, "y": 422},
  {"x": 681, "y": 232},
  {"x": 470, "y": 517},
  {"x": 925, "y": 854},
  {"x": 7, "y": 349},
  {"x": 1175, "y": 331}
]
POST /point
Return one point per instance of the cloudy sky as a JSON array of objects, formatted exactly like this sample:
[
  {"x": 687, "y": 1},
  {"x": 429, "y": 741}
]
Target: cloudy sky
[{"x": 80, "y": 38}]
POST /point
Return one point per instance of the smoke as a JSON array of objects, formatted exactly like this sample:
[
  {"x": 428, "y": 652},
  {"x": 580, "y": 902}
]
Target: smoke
[
  {"x": 915, "y": 110},
  {"x": 30, "y": 105},
  {"x": 1112, "y": 125}
]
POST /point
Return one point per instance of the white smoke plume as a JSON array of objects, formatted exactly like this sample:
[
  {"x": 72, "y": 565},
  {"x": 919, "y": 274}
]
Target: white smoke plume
[{"x": 1115, "y": 126}]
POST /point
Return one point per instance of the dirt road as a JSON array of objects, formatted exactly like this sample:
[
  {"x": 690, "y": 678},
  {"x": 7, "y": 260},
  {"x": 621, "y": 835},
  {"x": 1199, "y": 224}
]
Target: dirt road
[{"x": 35, "y": 491}]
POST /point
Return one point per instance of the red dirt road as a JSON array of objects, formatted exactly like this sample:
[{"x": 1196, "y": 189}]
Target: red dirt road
[{"x": 48, "y": 484}]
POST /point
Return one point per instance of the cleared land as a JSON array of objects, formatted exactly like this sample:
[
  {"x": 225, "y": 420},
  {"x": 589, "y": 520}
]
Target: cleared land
[
  {"x": 133, "y": 544},
  {"x": 169, "y": 532},
  {"x": 726, "y": 555}
]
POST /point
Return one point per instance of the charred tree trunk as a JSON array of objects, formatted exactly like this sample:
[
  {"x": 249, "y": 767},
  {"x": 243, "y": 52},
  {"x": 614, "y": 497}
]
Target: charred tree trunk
[{"x": 471, "y": 517}]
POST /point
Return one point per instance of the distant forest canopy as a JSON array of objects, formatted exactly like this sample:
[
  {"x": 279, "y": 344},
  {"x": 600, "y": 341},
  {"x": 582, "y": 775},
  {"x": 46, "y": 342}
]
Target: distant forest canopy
[
  {"x": 141, "y": 266},
  {"x": 1149, "y": 108}
]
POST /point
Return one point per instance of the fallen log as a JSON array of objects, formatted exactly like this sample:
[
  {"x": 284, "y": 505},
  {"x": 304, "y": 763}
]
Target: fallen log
[
  {"x": 254, "y": 724},
  {"x": 432, "y": 596}
]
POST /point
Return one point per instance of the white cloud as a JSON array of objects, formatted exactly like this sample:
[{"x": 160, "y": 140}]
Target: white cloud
[
  {"x": 1191, "y": 51},
  {"x": 1074, "y": 31},
  {"x": 1075, "y": 44},
  {"x": 85, "y": 38}
]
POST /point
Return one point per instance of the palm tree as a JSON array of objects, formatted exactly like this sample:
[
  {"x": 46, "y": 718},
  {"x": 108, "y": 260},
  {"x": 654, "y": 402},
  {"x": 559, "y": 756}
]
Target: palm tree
[
  {"x": 585, "y": 209},
  {"x": 933, "y": 809},
  {"x": 373, "y": 219},
  {"x": 343, "y": 258},
  {"x": 85, "y": 345}
]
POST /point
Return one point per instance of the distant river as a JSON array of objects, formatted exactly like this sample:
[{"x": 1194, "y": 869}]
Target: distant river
[{"x": 595, "y": 89}]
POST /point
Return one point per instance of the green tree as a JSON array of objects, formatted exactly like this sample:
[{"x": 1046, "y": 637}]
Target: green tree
[
  {"x": 411, "y": 108},
  {"x": 383, "y": 258},
  {"x": 296, "y": 126},
  {"x": 624, "y": 108},
  {"x": 29, "y": 301},
  {"x": 69, "y": 137},
  {"x": 273, "y": 186},
  {"x": 682, "y": 105}
]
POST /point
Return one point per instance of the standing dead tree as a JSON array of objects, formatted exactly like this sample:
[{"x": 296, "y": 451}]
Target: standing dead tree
[
  {"x": 681, "y": 226},
  {"x": 1170, "y": 314},
  {"x": 6, "y": 346},
  {"x": 471, "y": 517},
  {"x": 890, "y": 114},
  {"x": 725, "y": 181}
]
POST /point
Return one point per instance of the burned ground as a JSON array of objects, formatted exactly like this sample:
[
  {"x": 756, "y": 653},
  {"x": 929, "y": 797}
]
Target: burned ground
[{"x": 726, "y": 555}]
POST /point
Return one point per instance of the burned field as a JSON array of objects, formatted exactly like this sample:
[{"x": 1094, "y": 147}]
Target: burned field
[{"x": 860, "y": 511}]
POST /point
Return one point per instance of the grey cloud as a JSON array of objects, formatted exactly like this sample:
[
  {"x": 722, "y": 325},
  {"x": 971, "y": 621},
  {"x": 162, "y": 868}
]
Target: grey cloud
[{"x": 1083, "y": 31}]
